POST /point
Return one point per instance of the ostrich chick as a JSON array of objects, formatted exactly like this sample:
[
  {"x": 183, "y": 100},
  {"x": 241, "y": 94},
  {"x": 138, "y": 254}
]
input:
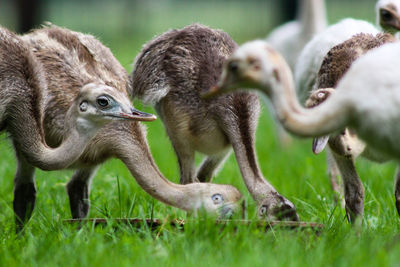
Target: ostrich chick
[
  {"x": 69, "y": 61},
  {"x": 346, "y": 147},
  {"x": 314, "y": 52},
  {"x": 311, "y": 57},
  {"x": 365, "y": 100},
  {"x": 306, "y": 77},
  {"x": 170, "y": 73},
  {"x": 24, "y": 92}
]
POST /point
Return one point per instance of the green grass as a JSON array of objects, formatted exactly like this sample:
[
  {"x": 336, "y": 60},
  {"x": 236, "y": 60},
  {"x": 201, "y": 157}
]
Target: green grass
[{"x": 295, "y": 172}]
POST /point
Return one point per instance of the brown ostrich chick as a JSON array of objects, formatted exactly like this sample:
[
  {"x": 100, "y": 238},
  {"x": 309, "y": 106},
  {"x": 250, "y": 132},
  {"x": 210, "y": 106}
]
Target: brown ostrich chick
[
  {"x": 345, "y": 147},
  {"x": 69, "y": 61},
  {"x": 170, "y": 73}
]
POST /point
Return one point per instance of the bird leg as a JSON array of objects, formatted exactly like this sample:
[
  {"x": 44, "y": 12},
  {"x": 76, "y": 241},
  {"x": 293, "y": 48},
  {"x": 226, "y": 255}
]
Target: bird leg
[
  {"x": 186, "y": 160},
  {"x": 334, "y": 177},
  {"x": 353, "y": 188},
  {"x": 183, "y": 150},
  {"x": 186, "y": 165},
  {"x": 241, "y": 135},
  {"x": 209, "y": 166},
  {"x": 24, "y": 192},
  {"x": 78, "y": 192}
]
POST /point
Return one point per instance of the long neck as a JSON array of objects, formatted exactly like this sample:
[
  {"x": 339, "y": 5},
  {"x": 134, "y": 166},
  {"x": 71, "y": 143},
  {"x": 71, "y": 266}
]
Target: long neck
[
  {"x": 135, "y": 153},
  {"x": 312, "y": 15},
  {"x": 28, "y": 138},
  {"x": 332, "y": 115},
  {"x": 246, "y": 158},
  {"x": 76, "y": 138},
  {"x": 240, "y": 127}
]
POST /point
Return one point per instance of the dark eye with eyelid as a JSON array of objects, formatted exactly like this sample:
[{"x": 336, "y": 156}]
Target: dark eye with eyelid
[
  {"x": 386, "y": 15},
  {"x": 103, "y": 101},
  {"x": 263, "y": 210},
  {"x": 217, "y": 198}
]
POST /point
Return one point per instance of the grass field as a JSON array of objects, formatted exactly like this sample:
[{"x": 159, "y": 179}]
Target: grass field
[{"x": 295, "y": 172}]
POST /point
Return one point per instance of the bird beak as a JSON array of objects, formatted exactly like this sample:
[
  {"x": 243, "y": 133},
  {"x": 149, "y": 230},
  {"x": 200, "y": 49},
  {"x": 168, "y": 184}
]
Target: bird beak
[
  {"x": 137, "y": 115},
  {"x": 213, "y": 92},
  {"x": 319, "y": 144},
  {"x": 227, "y": 210}
]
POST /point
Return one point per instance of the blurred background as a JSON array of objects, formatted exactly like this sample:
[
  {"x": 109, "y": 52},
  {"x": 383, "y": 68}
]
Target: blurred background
[{"x": 124, "y": 25}]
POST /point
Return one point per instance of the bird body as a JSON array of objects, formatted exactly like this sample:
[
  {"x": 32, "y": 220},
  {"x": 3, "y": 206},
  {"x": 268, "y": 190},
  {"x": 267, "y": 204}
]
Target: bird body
[
  {"x": 310, "y": 59},
  {"x": 69, "y": 60},
  {"x": 366, "y": 101},
  {"x": 172, "y": 71},
  {"x": 68, "y": 64},
  {"x": 306, "y": 80},
  {"x": 24, "y": 94},
  {"x": 374, "y": 88},
  {"x": 335, "y": 64},
  {"x": 380, "y": 94},
  {"x": 346, "y": 146},
  {"x": 314, "y": 52}
]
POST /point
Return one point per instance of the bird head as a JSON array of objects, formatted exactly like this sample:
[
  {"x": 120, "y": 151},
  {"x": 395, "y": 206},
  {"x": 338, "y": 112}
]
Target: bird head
[
  {"x": 275, "y": 207},
  {"x": 388, "y": 15},
  {"x": 218, "y": 199},
  {"x": 100, "y": 103},
  {"x": 254, "y": 65},
  {"x": 315, "y": 99}
]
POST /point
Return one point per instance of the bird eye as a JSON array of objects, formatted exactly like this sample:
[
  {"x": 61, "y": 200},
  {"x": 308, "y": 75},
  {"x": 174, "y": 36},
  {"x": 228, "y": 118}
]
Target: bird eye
[
  {"x": 103, "y": 101},
  {"x": 386, "y": 15},
  {"x": 83, "y": 106},
  {"x": 217, "y": 198},
  {"x": 233, "y": 66},
  {"x": 263, "y": 210}
]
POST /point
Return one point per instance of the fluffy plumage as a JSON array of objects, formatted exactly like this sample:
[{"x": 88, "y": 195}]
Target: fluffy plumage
[
  {"x": 366, "y": 100},
  {"x": 25, "y": 95},
  {"x": 314, "y": 52},
  {"x": 172, "y": 71},
  {"x": 69, "y": 60},
  {"x": 339, "y": 59},
  {"x": 346, "y": 146}
]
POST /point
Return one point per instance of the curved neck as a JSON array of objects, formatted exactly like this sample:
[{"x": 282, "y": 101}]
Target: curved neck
[
  {"x": 326, "y": 118},
  {"x": 312, "y": 15},
  {"x": 135, "y": 154},
  {"x": 246, "y": 157},
  {"x": 64, "y": 155},
  {"x": 28, "y": 138}
]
